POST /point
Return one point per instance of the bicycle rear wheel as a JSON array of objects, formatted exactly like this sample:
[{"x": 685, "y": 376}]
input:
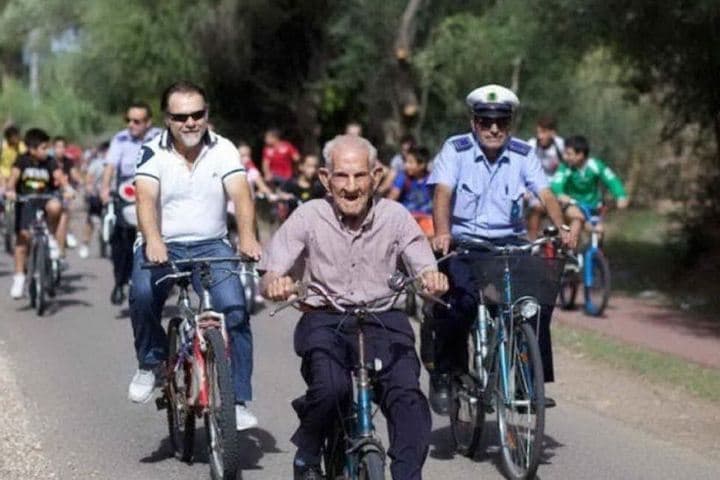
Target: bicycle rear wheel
[
  {"x": 372, "y": 466},
  {"x": 521, "y": 417},
  {"x": 597, "y": 291},
  {"x": 223, "y": 441},
  {"x": 180, "y": 416},
  {"x": 568, "y": 288}
]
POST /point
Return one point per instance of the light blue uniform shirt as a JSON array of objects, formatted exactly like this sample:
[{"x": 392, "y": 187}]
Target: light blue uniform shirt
[
  {"x": 124, "y": 150},
  {"x": 487, "y": 197}
]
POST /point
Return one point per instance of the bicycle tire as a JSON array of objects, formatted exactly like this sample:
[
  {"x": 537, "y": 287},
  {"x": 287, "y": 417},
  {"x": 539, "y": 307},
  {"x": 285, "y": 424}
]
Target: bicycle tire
[
  {"x": 467, "y": 415},
  {"x": 180, "y": 417},
  {"x": 9, "y": 247},
  {"x": 334, "y": 454},
  {"x": 220, "y": 422},
  {"x": 371, "y": 466},
  {"x": 568, "y": 290},
  {"x": 525, "y": 352},
  {"x": 40, "y": 276},
  {"x": 102, "y": 246},
  {"x": 595, "y": 304}
]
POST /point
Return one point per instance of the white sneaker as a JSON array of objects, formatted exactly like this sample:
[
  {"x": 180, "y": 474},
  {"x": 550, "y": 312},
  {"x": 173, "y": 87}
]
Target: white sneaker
[
  {"x": 83, "y": 251},
  {"x": 71, "y": 241},
  {"x": 244, "y": 418},
  {"x": 142, "y": 386},
  {"x": 18, "y": 286},
  {"x": 54, "y": 248}
]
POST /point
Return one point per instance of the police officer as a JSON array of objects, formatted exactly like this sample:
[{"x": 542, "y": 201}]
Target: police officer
[
  {"x": 120, "y": 164},
  {"x": 479, "y": 180}
]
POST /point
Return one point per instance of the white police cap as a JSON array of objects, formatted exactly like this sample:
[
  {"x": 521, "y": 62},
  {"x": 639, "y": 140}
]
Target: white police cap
[{"x": 492, "y": 101}]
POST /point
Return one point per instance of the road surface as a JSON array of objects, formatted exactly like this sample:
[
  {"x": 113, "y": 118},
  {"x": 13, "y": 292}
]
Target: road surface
[{"x": 74, "y": 364}]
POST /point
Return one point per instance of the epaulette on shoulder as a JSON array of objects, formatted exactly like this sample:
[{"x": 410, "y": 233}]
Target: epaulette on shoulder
[
  {"x": 461, "y": 143},
  {"x": 518, "y": 146}
]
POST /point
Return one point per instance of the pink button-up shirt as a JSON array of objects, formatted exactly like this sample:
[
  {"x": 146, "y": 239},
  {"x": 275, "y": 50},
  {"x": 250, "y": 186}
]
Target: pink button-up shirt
[{"x": 353, "y": 263}]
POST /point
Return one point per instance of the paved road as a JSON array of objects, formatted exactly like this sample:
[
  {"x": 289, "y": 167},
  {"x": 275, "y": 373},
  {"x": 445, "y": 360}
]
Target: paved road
[{"x": 73, "y": 366}]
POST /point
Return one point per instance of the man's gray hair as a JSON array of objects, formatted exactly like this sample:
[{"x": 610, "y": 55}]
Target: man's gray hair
[{"x": 352, "y": 141}]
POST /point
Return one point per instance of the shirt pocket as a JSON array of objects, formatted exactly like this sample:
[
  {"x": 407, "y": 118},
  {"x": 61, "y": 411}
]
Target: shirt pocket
[
  {"x": 509, "y": 200},
  {"x": 467, "y": 199}
]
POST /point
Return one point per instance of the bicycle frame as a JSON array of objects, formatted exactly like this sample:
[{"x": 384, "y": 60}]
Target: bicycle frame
[{"x": 193, "y": 343}]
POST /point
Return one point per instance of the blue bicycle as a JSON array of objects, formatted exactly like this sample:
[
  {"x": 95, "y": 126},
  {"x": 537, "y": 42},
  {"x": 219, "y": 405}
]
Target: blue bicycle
[
  {"x": 589, "y": 268},
  {"x": 505, "y": 371},
  {"x": 352, "y": 450}
]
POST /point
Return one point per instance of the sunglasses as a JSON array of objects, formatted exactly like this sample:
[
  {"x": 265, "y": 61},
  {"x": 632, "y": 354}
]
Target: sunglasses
[
  {"x": 135, "y": 121},
  {"x": 183, "y": 117},
  {"x": 486, "y": 123}
]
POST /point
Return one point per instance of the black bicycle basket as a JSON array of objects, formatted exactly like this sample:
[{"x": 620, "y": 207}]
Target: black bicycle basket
[{"x": 530, "y": 275}]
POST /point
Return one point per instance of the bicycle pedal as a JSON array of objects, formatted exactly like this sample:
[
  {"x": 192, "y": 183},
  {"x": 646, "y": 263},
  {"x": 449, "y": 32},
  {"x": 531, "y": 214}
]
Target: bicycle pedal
[{"x": 161, "y": 403}]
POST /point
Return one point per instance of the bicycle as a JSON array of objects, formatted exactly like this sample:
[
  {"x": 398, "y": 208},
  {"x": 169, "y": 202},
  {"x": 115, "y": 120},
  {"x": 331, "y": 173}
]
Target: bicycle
[
  {"x": 42, "y": 270},
  {"x": 590, "y": 268},
  {"x": 107, "y": 227},
  {"x": 505, "y": 368},
  {"x": 198, "y": 377},
  {"x": 352, "y": 450},
  {"x": 9, "y": 226}
]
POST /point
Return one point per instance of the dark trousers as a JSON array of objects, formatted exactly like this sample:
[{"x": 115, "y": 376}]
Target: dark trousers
[
  {"x": 121, "y": 245},
  {"x": 328, "y": 356},
  {"x": 452, "y": 326}
]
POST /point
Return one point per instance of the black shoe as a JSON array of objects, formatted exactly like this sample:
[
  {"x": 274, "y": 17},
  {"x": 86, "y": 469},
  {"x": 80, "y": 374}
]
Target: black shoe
[
  {"x": 440, "y": 393},
  {"x": 310, "y": 472},
  {"x": 117, "y": 297},
  {"x": 550, "y": 403}
]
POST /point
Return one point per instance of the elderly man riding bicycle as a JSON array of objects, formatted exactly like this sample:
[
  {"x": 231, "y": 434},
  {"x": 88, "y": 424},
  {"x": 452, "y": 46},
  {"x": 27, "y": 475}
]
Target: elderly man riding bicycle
[{"x": 350, "y": 243}]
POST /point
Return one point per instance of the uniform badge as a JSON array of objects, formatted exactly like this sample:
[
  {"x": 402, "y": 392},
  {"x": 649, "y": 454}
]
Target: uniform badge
[{"x": 461, "y": 144}]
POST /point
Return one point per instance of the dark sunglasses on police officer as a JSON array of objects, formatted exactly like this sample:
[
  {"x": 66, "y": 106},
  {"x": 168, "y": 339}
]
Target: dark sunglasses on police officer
[
  {"x": 135, "y": 121},
  {"x": 182, "y": 117},
  {"x": 486, "y": 123}
]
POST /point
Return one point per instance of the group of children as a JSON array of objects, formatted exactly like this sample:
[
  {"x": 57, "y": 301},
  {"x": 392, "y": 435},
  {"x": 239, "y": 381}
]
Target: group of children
[{"x": 37, "y": 166}]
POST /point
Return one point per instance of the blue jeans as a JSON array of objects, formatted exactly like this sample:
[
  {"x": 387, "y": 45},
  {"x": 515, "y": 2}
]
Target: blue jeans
[{"x": 147, "y": 301}]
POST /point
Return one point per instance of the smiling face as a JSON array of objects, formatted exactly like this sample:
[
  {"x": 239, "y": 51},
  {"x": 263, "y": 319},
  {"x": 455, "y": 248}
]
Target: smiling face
[
  {"x": 492, "y": 133},
  {"x": 186, "y": 117},
  {"x": 350, "y": 181}
]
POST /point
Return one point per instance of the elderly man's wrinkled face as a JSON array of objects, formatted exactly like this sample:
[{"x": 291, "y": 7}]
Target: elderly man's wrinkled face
[
  {"x": 186, "y": 117},
  {"x": 351, "y": 183},
  {"x": 491, "y": 132}
]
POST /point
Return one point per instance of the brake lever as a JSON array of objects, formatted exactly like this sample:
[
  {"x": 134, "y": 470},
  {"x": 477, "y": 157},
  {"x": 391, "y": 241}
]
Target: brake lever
[{"x": 287, "y": 303}]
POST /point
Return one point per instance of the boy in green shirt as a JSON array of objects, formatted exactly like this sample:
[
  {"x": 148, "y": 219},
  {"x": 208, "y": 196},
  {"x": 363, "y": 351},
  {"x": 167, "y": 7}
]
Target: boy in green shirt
[{"x": 579, "y": 179}]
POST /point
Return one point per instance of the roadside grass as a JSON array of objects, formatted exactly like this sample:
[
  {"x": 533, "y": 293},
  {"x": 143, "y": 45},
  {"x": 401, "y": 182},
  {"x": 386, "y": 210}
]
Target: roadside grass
[
  {"x": 658, "y": 368},
  {"x": 647, "y": 258}
]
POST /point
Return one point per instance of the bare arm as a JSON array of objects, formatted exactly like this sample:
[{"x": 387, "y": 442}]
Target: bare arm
[
  {"x": 238, "y": 190},
  {"x": 441, "y": 217},
  {"x": 555, "y": 213},
  {"x": 12, "y": 182},
  {"x": 107, "y": 175},
  {"x": 147, "y": 193}
]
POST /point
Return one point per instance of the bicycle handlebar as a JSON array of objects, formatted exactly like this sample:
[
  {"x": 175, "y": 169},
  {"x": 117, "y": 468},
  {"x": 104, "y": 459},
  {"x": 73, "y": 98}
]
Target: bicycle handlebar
[
  {"x": 501, "y": 249},
  {"x": 192, "y": 261}
]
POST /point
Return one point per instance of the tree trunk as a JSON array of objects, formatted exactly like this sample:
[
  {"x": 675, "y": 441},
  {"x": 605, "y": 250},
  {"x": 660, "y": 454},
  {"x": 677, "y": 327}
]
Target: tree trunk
[{"x": 406, "y": 105}]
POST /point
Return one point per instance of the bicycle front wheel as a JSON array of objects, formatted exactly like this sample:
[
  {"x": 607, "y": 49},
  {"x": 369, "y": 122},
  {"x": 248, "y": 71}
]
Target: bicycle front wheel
[
  {"x": 334, "y": 453},
  {"x": 568, "y": 289},
  {"x": 372, "y": 466},
  {"x": 521, "y": 415},
  {"x": 180, "y": 417},
  {"x": 223, "y": 441},
  {"x": 597, "y": 285},
  {"x": 39, "y": 280},
  {"x": 467, "y": 414}
]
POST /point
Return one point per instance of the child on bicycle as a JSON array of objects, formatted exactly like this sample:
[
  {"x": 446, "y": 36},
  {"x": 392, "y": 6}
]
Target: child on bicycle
[
  {"x": 32, "y": 173},
  {"x": 578, "y": 180},
  {"x": 410, "y": 187}
]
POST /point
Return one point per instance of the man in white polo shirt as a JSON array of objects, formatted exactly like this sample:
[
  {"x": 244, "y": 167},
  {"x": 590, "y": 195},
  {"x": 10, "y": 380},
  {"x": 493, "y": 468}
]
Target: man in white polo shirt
[{"x": 183, "y": 178}]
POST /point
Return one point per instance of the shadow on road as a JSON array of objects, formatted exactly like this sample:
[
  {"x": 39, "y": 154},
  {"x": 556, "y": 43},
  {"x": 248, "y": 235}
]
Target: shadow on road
[
  {"x": 442, "y": 446},
  {"x": 255, "y": 443}
]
